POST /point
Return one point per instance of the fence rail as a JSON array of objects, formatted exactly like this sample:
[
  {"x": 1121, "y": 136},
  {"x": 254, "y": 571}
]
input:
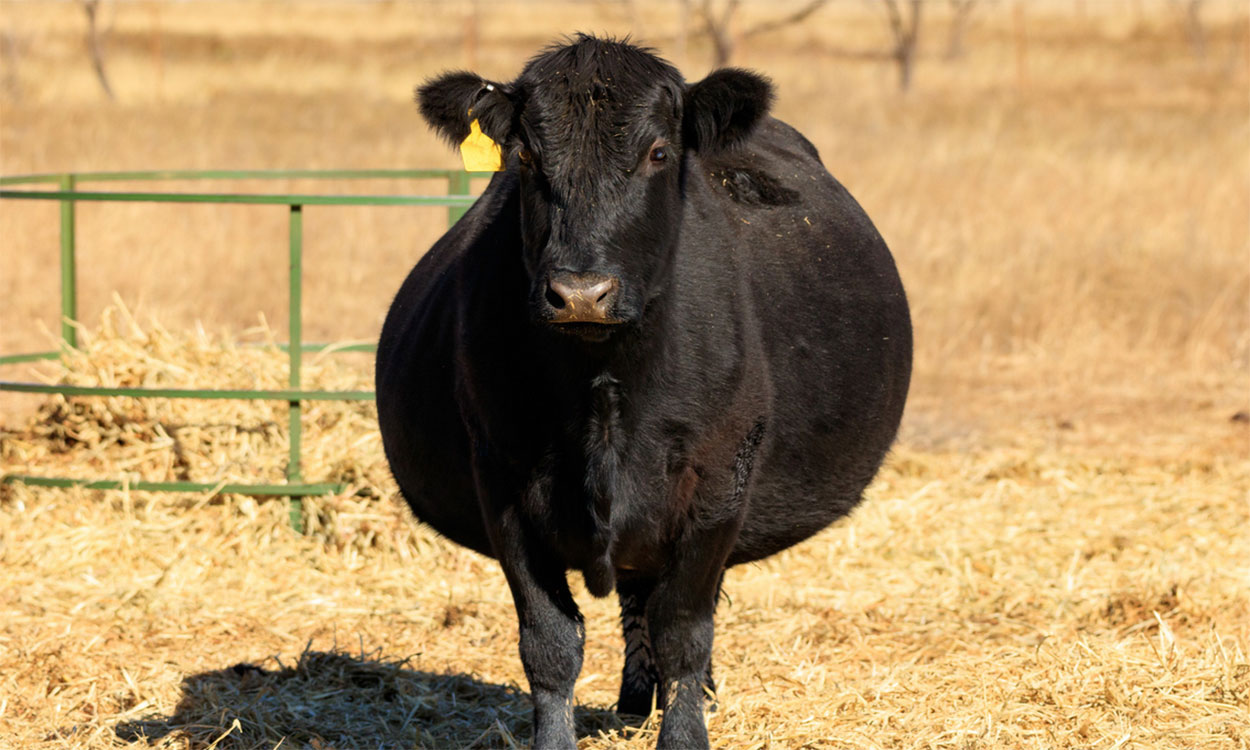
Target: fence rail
[{"x": 65, "y": 189}]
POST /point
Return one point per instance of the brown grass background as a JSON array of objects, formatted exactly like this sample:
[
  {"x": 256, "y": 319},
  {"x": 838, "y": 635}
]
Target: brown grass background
[{"x": 1056, "y": 554}]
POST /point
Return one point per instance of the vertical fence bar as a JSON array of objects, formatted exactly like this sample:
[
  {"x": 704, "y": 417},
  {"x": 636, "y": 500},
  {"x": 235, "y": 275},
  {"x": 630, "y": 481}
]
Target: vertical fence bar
[
  {"x": 69, "y": 266},
  {"x": 457, "y": 184},
  {"x": 295, "y": 340}
]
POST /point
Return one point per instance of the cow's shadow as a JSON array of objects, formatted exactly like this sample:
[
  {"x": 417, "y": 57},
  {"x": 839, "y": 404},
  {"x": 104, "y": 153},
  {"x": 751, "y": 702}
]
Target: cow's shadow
[{"x": 335, "y": 700}]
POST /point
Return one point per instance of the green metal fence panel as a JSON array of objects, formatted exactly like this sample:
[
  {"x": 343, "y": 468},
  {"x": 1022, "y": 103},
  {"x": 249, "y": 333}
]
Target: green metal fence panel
[
  {"x": 457, "y": 184},
  {"x": 69, "y": 268},
  {"x": 295, "y": 351},
  {"x": 196, "y": 393},
  {"x": 258, "y": 199},
  {"x": 242, "y": 174},
  {"x": 293, "y": 490},
  {"x": 64, "y": 188},
  {"x": 13, "y": 359}
]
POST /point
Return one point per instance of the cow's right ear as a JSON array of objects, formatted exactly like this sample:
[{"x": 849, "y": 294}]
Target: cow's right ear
[
  {"x": 723, "y": 109},
  {"x": 450, "y": 102}
]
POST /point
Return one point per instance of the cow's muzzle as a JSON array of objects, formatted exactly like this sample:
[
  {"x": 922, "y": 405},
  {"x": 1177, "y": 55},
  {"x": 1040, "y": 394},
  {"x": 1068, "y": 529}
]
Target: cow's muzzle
[{"x": 582, "y": 302}]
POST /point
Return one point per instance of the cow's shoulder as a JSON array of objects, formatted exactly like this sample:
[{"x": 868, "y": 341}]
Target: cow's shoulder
[
  {"x": 489, "y": 221},
  {"x": 424, "y": 306},
  {"x": 467, "y": 249},
  {"x": 770, "y": 169},
  {"x": 785, "y": 141}
]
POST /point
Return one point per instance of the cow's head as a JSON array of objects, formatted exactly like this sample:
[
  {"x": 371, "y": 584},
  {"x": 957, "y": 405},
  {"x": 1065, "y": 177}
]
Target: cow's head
[{"x": 599, "y": 132}]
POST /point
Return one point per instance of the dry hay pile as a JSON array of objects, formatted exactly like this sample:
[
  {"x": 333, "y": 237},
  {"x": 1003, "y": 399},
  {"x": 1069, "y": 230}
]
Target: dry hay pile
[
  {"x": 212, "y": 441},
  {"x": 1015, "y": 596}
]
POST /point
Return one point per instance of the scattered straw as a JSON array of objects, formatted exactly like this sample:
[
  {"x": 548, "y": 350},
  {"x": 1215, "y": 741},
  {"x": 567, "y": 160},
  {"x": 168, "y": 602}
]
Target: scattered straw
[{"x": 1022, "y": 593}]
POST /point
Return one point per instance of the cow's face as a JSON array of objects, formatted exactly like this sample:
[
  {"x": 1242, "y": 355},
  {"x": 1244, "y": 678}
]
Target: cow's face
[{"x": 598, "y": 132}]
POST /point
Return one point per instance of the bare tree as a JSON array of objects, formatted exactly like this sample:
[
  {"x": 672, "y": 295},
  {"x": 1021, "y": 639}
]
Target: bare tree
[
  {"x": 631, "y": 10},
  {"x": 156, "y": 48},
  {"x": 961, "y": 11},
  {"x": 716, "y": 25},
  {"x": 797, "y": 16},
  {"x": 472, "y": 33},
  {"x": 1193, "y": 26},
  {"x": 91, "y": 8},
  {"x": 905, "y": 26},
  {"x": 683, "y": 31},
  {"x": 1020, "y": 34},
  {"x": 9, "y": 50}
]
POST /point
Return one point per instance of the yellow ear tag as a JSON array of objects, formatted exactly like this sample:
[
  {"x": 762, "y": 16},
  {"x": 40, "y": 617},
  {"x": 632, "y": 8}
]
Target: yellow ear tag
[{"x": 479, "y": 152}]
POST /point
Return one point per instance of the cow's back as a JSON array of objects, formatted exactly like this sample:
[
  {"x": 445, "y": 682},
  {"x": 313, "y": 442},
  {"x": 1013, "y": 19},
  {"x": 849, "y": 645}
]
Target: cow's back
[{"x": 835, "y": 329}]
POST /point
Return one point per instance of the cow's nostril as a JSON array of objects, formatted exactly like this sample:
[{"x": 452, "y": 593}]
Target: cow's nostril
[{"x": 581, "y": 297}]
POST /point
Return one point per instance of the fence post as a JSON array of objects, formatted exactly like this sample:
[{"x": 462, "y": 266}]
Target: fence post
[
  {"x": 69, "y": 269},
  {"x": 295, "y": 352},
  {"x": 457, "y": 184}
]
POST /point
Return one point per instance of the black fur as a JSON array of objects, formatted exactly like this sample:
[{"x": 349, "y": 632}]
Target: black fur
[
  {"x": 754, "y": 187},
  {"x": 453, "y": 100},
  {"x": 746, "y": 393},
  {"x": 725, "y": 107}
]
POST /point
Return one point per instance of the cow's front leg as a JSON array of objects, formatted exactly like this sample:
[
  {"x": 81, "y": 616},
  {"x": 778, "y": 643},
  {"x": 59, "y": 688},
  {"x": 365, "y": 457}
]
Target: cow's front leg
[
  {"x": 680, "y": 621},
  {"x": 551, "y": 628}
]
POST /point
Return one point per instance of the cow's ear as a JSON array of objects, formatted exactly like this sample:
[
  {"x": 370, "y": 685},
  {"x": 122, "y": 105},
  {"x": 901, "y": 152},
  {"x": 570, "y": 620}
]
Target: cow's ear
[
  {"x": 723, "y": 109},
  {"x": 450, "y": 102}
]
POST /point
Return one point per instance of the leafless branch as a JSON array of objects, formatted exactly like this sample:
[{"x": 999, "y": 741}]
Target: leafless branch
[
  {"x": 961, "y": 10},
  {"x": 10, "y": 51},
  {"x": 716, "y": 26},
  {"x": 1193, "y": 26},
  {"x": 906, "y": 31},
  {"x": 91, "y": 7},
  {"x": 796, "y": 17}
]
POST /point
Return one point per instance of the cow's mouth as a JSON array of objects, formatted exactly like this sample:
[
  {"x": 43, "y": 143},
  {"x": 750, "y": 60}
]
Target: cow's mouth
[{"x": 596, "y": 333}]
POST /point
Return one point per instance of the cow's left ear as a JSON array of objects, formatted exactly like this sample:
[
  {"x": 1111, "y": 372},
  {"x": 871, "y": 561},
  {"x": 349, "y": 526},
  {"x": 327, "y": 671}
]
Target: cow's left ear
[
  {"x": 723, "y": 109},
  {"x": 450, "y": 102}
]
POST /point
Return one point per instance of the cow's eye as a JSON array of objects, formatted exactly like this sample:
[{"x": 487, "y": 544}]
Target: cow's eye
[
  {"x": 525, "y": 156},
  {"x": 658, "y": 154}
]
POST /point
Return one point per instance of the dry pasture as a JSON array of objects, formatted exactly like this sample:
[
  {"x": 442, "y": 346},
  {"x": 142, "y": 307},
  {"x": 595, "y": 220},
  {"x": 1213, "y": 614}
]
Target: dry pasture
[{"x": 1055, "y": 556}]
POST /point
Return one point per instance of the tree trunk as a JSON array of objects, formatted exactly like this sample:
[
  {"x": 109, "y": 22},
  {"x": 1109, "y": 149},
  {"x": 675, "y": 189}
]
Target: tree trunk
[
  {"x": 906, "y": 29},
  {"x": 1193, "y": 24},
  {"x": 906, "y": 58},
  {"x": 93, "y": 46},
  {"x": 1020, "y": 31},
  {"x": 717, "y": 28},
  {"x": 722, "y": 46},
  {"x": 961, "y": 11},
  {"x": 683, "y": 33},
  {"x": 9, "y": 50},
  {"x": 472, "y": 32}
]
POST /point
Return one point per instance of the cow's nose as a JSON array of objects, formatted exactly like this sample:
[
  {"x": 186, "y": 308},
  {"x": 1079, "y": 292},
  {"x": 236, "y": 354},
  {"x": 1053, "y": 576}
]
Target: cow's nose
[{"x": 582, "y": 297}]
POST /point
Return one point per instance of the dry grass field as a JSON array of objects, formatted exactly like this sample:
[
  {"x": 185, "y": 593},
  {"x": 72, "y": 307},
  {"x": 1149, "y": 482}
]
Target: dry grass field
[{"x": 1056, "y": 555}]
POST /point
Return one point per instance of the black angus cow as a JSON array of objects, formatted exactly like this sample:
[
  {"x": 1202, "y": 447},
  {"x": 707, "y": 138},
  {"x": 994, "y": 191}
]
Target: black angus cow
[{"x": 663, "y": 342}]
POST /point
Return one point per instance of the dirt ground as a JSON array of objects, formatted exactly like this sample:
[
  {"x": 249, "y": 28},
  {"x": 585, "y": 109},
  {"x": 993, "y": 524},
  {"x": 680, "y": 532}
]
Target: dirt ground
[{"x": 1054, "y": 556}]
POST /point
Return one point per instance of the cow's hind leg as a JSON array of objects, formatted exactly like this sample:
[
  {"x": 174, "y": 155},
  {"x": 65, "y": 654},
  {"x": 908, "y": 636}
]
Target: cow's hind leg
[
  {"x": 709, "y": 684},
  {"x": 639, "y": 676}
]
